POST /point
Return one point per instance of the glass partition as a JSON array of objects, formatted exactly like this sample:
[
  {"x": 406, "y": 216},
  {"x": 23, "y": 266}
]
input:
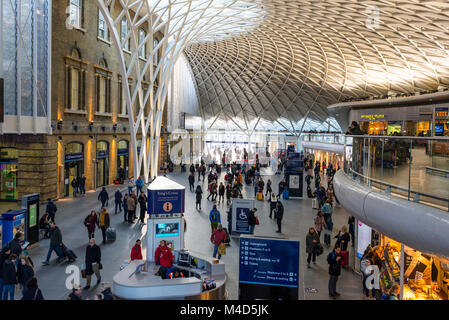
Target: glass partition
[{"x": 415, "y": 169}]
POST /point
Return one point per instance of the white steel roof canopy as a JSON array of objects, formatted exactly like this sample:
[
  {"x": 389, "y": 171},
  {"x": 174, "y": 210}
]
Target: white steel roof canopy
[{"x": 307, "y": 55}]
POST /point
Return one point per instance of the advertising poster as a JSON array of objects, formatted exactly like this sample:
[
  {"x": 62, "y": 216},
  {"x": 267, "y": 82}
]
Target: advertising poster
[
  {"x": 240, "y": 212},
  {"x": 293, "y": 181},
  {"x": 363, "y": 238},
  {"x": 273, "y": 262},
  {"x": 33, "y": 215}
]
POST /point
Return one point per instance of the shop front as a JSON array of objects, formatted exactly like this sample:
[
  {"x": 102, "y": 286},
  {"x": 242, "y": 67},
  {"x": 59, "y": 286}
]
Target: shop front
[
  {"x": 442, "y": 122},
  {"x": 102, "y": 163},
  {"x": 123, "y": 159},
  {"x": 421, "y": 277},
  {"x": 73, "y": 165},
  {"x": 8, "y": 173},
  {"x": 327, "y": 157}
]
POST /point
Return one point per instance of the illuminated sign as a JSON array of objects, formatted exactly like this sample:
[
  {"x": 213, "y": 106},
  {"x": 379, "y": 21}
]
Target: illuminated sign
[
  {"x": 372, "y": 116},
  {"x": 441, "y": 112}
]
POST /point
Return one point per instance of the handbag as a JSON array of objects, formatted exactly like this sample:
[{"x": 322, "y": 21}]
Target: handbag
[
  {"x": 221, "y": 249},
  {"x": 83, "y": 271},
  {"x": 257, "y": 221}
]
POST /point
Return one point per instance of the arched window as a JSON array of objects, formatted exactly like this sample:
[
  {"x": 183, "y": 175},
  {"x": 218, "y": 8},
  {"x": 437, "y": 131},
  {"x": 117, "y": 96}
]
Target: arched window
[
  {"x": 75, "y": 80},
  {"x": 74, "y": 147},
  {"x": 103, "y": 87}
]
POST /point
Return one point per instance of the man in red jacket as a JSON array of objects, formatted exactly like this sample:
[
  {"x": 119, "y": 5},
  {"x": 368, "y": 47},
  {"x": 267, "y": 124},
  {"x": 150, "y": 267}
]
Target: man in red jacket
[
  {"x": 163, "y": 255},
  {"x": 217, "y": 237},
  {"x": 136, "y": 251}
]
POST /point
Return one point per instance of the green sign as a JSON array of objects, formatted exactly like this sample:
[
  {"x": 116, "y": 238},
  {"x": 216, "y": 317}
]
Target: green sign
[{"x": 33, "y": 215}]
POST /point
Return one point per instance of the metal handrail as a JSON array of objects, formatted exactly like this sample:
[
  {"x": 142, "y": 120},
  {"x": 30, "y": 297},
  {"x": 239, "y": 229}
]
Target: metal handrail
[
  {"x": 400, "y": 188},
  {"x": 398, "y": 137}
]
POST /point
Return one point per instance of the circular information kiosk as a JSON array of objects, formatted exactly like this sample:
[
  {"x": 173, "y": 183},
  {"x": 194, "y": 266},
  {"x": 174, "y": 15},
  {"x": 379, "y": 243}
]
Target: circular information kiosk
[{"x": 191, "y": 276}]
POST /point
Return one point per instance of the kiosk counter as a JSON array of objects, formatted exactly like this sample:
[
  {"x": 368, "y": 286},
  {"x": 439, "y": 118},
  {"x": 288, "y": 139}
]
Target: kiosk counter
[{"x": 136, "y": 283}]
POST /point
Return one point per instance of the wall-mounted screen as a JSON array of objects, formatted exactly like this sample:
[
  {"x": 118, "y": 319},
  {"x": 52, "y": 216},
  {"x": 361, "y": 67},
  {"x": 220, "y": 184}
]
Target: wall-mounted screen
[{"x": 166, "y": 230}]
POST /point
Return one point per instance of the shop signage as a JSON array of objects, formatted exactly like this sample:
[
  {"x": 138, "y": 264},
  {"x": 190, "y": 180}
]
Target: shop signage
[
  {"x": 122, "y": 152},
  {"x": 273, "y": 262},
  {"x": 74, "y": 157},
  {"x": 441, "y": 113},
  {"x": 372, "y": 117},
  {"x": 240, "y": 212},
  {"x": 363, "y": 238},
  {"x": 101, "y": 154},
  {"x": 165, "y": 201}
]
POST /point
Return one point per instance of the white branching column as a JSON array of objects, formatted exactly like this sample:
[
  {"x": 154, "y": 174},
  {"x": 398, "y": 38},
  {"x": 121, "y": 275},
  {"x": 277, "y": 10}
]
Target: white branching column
[{"x": 180, "y": 22}]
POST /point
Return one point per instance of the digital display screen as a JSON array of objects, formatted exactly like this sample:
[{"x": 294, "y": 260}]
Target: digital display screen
[
  {"x": 166, "y": 230},
  {"x": 439, "y": 129}
]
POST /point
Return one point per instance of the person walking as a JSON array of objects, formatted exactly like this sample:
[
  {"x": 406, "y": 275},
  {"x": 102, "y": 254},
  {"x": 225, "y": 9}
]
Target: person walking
[
  {"x": 279, "y": 215},
  {"x": 203, "y": 170},
  {"x": 252, "y": 220},
  {"x": 44, "y": 224},
  {"x": 334, "y": 261},
  {"x": 269, "y": 189},
  {"x": 321, "y": 196},
  {"x": 136, "y": 251},
  {"x": 51, "y": 209},
  {"x": 93, "y": 263},
  {"x": 143, "y": 207},
  {"x": 130, "y": 185},
  {"x": 221, "y": 192},
  {"x": 191, "y": 182},
  {"x": 32, "y": 291},
  {"x": 118, "y": 201},
  {"x": 90, "y": 222},
  {"x": 131, "y": 208},
  {"x": 228, "y": 193},
  {"x": 273, "y": 203},
  {"x": 4, "y": 255},
  {"x": 82, "y": 185},
  {"x": 15, "y": 245},
  {"x": 24, "y": 272},
  {"x": 103, "y": 197},
  {"x": 312, "y": 241},
  {"x": 55, "y": 244},
  {"x": 139, "y": 185},
  {"x": 218, "y": 237},
  {"x": 343, "y": 238},
  {"x": 320, "y": 224},
  {"x": 9, "y": 277},
  {"x": 125, "y": 207},
  {"x": 281, "y": 185},
  {"x": 256, "y": 186},
  {"x": 214, "y": 218},
  {"x": 75, "y": 185},
  {"x": 104, "y": 222},
  {"x": 214, "y": 191},
  {"x": 199, "y": 196}
]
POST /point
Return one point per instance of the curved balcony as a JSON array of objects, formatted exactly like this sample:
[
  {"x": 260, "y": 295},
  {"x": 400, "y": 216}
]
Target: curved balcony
[{"x": 400, "y": 187}]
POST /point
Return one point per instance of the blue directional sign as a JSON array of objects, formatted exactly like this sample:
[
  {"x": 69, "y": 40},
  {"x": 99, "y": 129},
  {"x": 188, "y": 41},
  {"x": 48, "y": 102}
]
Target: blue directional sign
[{"x": 266, "y": 261}]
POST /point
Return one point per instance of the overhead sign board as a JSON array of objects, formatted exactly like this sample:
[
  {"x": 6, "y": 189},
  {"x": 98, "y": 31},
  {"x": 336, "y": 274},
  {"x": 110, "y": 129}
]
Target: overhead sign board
[{"x": 273, "y": 262}]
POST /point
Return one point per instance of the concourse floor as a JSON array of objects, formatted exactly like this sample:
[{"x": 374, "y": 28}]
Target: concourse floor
[{"x": 298, "y": 217}]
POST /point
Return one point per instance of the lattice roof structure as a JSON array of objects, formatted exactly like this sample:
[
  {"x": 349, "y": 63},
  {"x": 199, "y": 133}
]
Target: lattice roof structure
[{"x": 308, "y": 54}]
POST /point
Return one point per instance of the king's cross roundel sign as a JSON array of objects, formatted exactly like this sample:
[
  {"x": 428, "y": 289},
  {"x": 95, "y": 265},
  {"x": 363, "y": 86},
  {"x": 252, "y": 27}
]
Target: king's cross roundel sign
[{"x": 167, "y": 207}]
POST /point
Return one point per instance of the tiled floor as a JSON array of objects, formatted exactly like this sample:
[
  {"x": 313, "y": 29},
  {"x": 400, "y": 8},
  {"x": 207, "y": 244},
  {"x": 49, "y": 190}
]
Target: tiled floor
[{"x": 298, "y": 217}]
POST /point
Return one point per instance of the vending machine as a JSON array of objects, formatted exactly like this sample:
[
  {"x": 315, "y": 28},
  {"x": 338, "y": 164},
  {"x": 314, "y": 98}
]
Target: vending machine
[{"x": 13, "y": 221}]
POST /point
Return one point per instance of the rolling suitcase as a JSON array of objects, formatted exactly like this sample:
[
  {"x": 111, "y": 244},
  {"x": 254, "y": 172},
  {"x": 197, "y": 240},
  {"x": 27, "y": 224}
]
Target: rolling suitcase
[
  {"x": 228, "y": 238},
  {"x": 71, "y": 255},
  {"x": 110, "y": 234},
  {"x": 285, "y": 194},
  {"x": 345, "y": 258},
  {"x": 259, "y": 196},
  {"x": 327, "y": 239},
  {"x": 314, "y": 203}
]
